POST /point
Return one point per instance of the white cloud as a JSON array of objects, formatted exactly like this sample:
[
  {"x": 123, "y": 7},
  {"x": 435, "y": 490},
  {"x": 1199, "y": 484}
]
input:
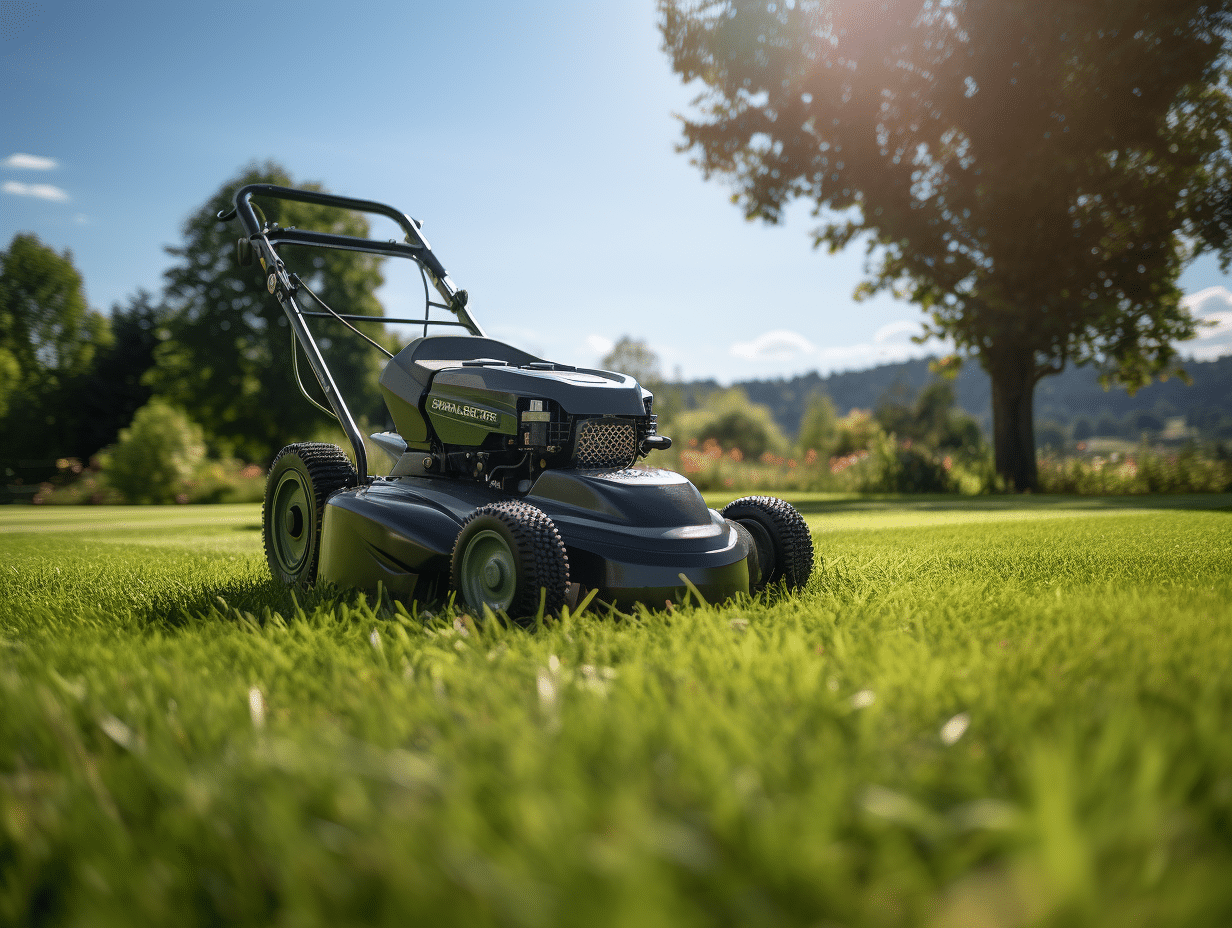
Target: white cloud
[
  {"x": 777, "y": 344},
  {"x": 24, "y": 162},
  {"x": 859, "y": 357},
  {"x": 1214, "y": 305},
  {"x": 900, "y": 331},
  {"x": 599, "y": 344},
  {"x": 1212, "y": 299},
  {"x": 39, "y": 191},
  {"x": 1222, "y": 325}
]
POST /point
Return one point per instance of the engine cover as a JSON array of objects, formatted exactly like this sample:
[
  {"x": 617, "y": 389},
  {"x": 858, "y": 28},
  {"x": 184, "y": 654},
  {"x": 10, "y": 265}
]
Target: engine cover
[{"x": 464, "y": 390}]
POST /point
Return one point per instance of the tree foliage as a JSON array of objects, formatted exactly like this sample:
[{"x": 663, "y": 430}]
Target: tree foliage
[
  {"x": 930, "y": 419},
  {"x": 48, "y": 341},
  {"x": 731, "y": 420},
  {"x": 10, "y": 377},
  {"x": 44, "y": 320},
  {"x": 228, "y": 361},
  {"x": 856, "y": 432},
  {"x": 70, "y": 378},
  {"x": 633, "y": 357},
  {"x": 1033, "y": 174},
  {"x": 115, "y": 385},
  {"x": 818, "y": 425}
]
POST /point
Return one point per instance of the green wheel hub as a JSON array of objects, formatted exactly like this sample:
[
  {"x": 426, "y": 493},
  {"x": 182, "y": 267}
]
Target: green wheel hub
[
  {"x": 765, "y": 546},
  {"x": 291, "y": 511},
  {"x": 489, "y": 571}
]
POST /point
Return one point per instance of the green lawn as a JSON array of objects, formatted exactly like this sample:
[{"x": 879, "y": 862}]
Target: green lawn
[{"x": 988, "y": 712}]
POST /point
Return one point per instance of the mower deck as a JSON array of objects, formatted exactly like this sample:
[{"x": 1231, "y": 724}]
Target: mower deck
[{"x": 629, "y": 535}]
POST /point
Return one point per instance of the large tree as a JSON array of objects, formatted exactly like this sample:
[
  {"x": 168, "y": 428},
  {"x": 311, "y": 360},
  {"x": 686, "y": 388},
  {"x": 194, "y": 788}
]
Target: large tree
[
  {"x": 228, "y": 360},
  {"x": 1033, "y": 173},
  {"x": 45, "y": 324},
  {"x": 48, "y": 340}
]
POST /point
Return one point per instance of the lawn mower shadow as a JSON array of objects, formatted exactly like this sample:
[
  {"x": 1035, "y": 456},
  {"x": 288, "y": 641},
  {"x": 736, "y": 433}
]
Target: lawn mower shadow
[
  {"x": 256, "y": 601},
  {"x": 242, "y": 601}
]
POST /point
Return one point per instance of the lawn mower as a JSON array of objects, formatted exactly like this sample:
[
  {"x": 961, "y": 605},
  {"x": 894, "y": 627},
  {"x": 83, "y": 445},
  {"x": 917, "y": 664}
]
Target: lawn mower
[{"x": 513, "y": 481}]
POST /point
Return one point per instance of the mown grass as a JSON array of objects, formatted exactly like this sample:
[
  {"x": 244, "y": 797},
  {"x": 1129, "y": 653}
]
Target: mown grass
[{"x": 991, "y": 712}]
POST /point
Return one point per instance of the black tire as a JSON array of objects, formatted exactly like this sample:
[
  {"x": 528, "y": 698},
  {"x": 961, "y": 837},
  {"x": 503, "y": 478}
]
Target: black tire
[
  {"x": 300, "y": 480},
  {"x": 504, "y": 555},
  {"x": 784, "y": 545}
]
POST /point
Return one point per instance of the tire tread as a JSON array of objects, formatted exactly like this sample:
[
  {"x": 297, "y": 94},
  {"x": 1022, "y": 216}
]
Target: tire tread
[
  {"x": 792, "y": 534},
  {"x": 541, "y": 552}
]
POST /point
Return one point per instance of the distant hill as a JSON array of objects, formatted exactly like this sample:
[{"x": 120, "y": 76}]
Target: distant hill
[{"x": 1068, "y": 405}]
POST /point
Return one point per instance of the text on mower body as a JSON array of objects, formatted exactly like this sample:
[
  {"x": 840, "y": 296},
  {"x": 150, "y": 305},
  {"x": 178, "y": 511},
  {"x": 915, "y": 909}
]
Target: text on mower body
[{"x": 466, "y": 412}]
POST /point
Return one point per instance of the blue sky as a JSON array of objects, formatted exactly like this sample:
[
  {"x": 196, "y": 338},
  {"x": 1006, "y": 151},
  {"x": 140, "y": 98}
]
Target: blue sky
[{"x": 535, "y": 141}]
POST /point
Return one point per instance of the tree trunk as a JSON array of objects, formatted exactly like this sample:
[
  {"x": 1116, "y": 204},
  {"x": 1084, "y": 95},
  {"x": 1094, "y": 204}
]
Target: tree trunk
[{"x": 1013, "y": 416}]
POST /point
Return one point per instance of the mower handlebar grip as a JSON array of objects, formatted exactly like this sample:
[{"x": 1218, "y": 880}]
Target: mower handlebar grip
[{"x": 248, "y": 218}]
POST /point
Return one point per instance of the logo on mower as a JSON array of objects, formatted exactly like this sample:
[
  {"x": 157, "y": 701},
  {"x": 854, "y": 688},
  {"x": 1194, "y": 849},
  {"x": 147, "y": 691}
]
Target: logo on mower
[{"x": 473, "y": 413}]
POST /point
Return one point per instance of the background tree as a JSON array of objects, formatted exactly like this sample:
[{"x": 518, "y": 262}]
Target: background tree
[
  {"x": 856, "y": 432},
  {"x": 818, "y": 425},
  {"x": 930, "y": 419},
  {"x": 48, "y": 341},
  {"x": 10, "y": 377},
  {"x": 116, "y": 386},
  {"x": 227, "y": 361},
  {"x": 633, "y": 357},
  {"x": 44, "y": 320},
  {"x": 1033, "y": 174},
  {"x": 730, "y": 419}
]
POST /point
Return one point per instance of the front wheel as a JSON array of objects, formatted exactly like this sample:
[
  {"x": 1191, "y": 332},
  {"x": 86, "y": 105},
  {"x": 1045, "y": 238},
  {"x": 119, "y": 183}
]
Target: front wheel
[
  {"x": 784, "y": 546},
  {"x": 504, "y": 555},
  {"x": 301, "y": 479}
]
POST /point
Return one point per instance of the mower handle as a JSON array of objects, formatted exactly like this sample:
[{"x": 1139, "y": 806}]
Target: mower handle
[
  {"x": 416, "y": 246},
  {"x": 283, "y": 286},
  {"x": 248, "y": 217}
]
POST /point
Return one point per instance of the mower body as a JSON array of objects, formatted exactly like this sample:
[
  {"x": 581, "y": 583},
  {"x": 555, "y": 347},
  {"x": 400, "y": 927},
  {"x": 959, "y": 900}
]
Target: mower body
[
  {"x": 630, "y": 535},
  {"x": 479, "y": 421}
]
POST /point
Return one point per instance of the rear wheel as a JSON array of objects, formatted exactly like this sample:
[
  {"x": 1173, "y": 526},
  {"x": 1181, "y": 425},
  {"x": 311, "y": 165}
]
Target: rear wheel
[
  {"x": 301, "y": 479},
  {"x": 505, "y": 554},
  {"x": 783, "y": 544}
]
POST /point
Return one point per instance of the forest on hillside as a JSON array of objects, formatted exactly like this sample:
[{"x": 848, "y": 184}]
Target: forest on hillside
[{"x": 1070, "y": 406}]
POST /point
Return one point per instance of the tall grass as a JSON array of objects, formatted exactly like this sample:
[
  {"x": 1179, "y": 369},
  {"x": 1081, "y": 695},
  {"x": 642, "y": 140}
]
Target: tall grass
[{"x": 998, "y": 712}]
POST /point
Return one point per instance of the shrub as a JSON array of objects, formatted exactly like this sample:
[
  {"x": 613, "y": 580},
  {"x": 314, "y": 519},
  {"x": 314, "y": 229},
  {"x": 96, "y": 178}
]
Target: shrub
[
  {"x": 226, "y": 481},
  {"x": 856, "y": 432},
  {"x": 156, "y": 456},
  {"x": 75, "y": 483},
  {"x": 1189, "y": 471},
  {"x": 731, "y": 421},
  {"x": 906, "y": 468}
]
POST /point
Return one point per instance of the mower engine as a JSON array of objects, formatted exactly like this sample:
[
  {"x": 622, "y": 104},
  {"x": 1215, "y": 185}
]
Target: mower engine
[{"x": 506, "y": 416}]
